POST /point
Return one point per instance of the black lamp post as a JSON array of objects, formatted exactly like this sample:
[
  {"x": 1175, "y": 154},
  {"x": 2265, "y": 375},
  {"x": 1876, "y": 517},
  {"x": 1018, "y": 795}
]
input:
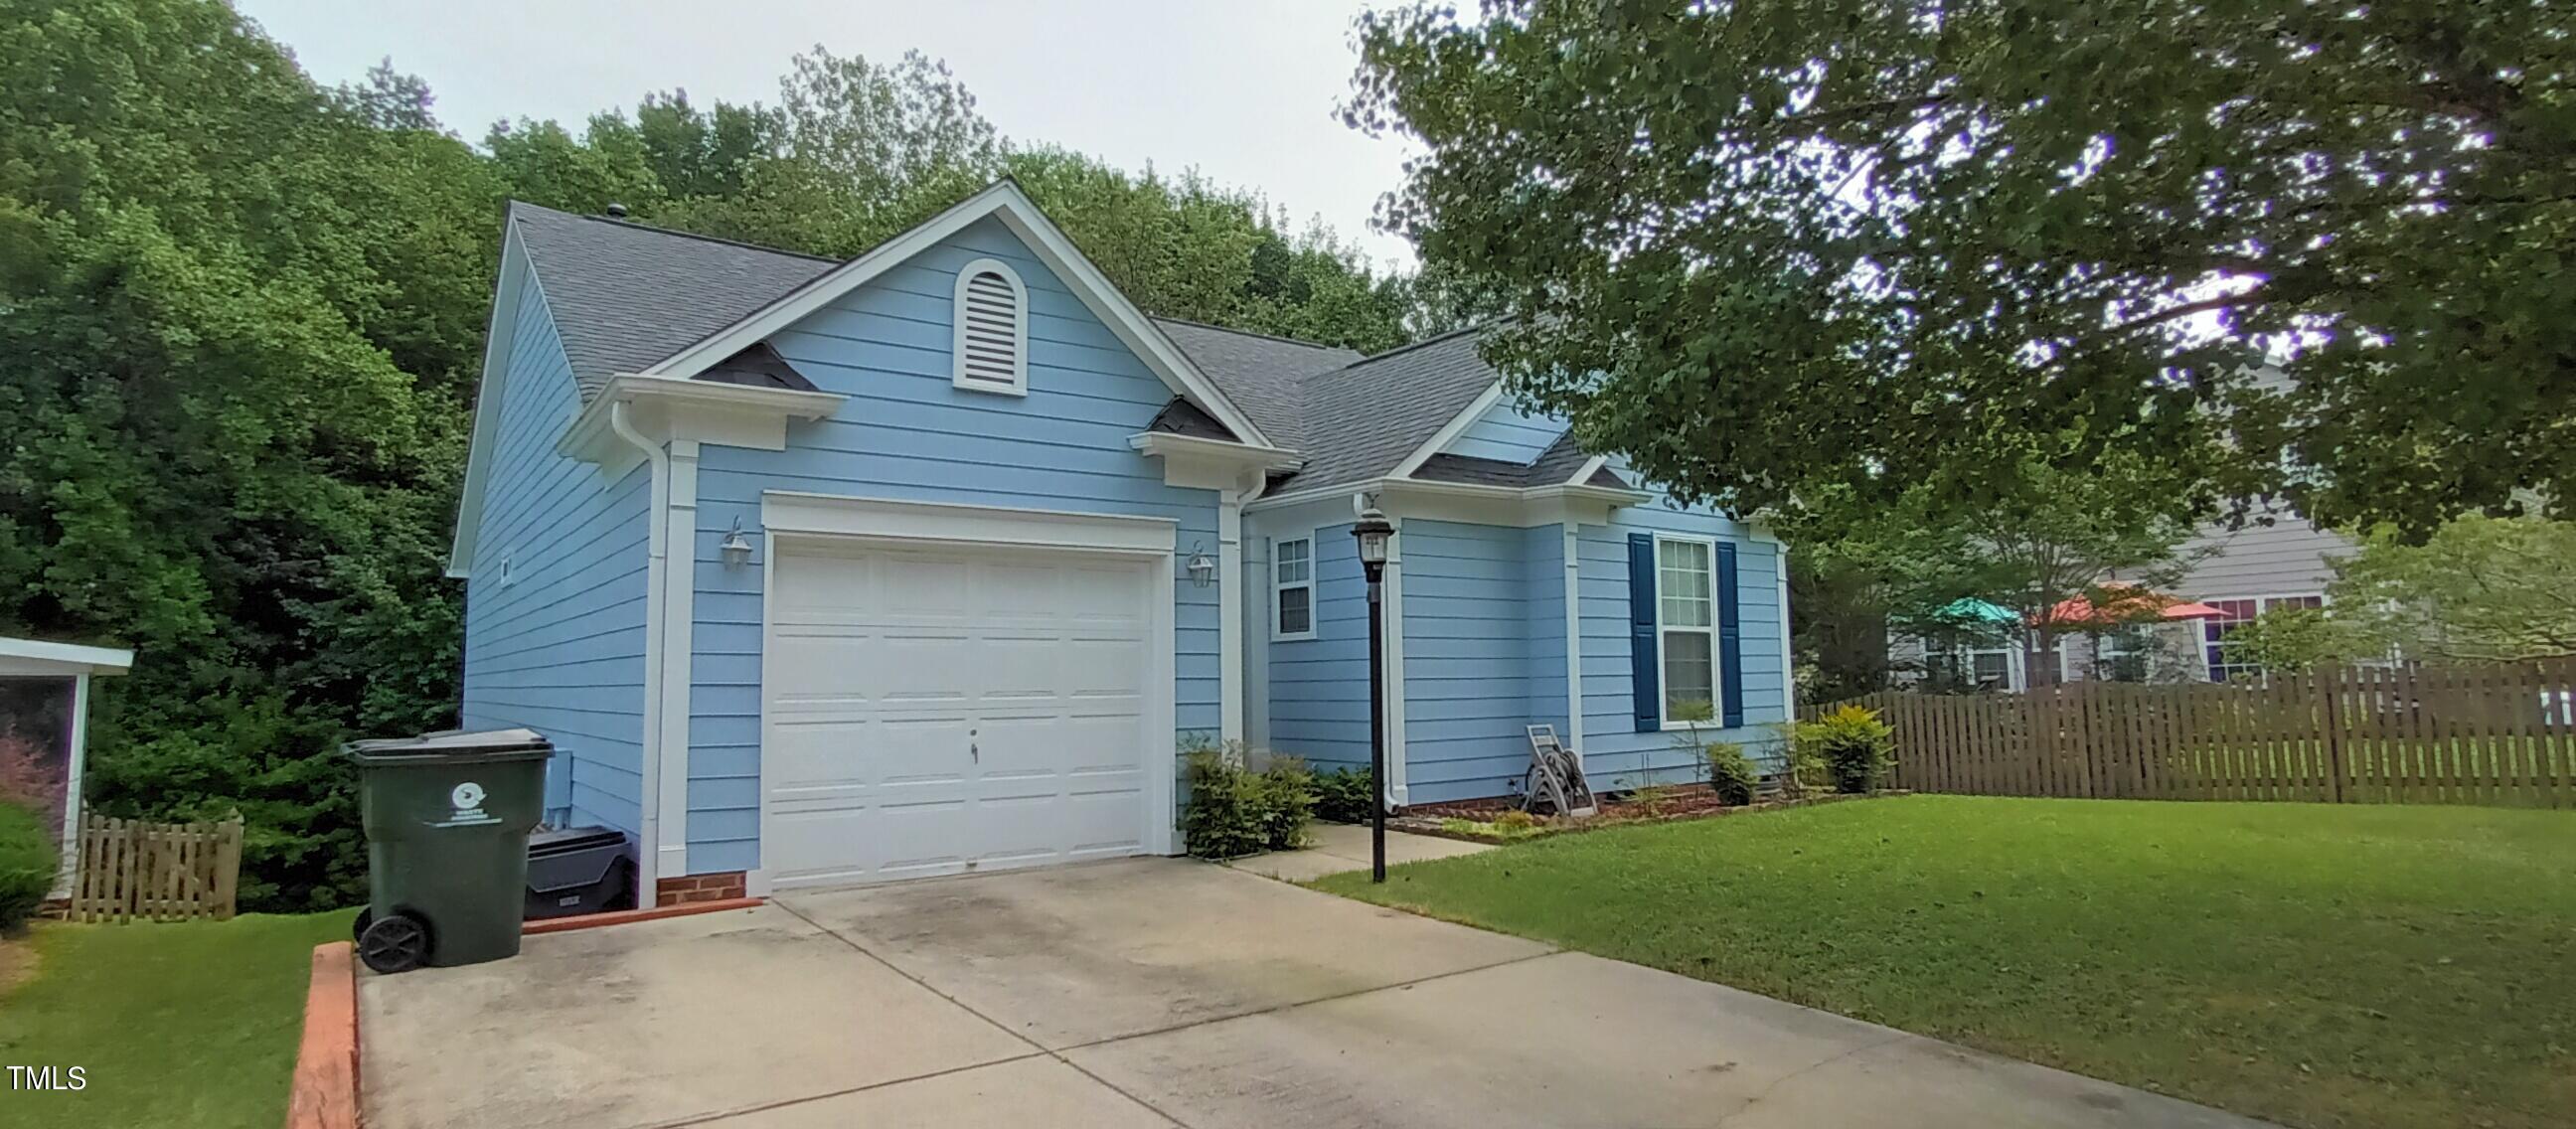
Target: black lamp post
[{"x": 1372, "y": 530}]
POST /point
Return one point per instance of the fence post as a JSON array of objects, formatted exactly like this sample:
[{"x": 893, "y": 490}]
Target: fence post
[{"x": 2330, "y": 692}]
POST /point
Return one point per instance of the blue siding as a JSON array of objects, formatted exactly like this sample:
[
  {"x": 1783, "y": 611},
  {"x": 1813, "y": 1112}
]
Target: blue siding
[
  {"x": 560, "y": 647},
  {"x": 1544, "y": 594},
  {"x": 1614, "y": 754},
  {"x": 1319, "y": 691},
  {"x": 1507, "y": 433},
  {"x": 906, "y": 433},
  {"x": 1484, "y": 654}
]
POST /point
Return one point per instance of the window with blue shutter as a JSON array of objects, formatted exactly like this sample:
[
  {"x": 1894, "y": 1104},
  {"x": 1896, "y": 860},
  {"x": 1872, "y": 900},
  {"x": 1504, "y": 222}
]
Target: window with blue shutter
[
  {"x": 1730, "y": 640},
  {"x": 1644, "y": 686}
]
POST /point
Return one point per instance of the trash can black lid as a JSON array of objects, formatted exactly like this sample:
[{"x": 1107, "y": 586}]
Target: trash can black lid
[
  {"x": 566, "y": 840},
  {"x": 453, "y": 745}
]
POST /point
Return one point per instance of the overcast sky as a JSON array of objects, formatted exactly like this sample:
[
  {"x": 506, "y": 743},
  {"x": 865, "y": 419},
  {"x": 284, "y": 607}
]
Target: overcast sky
[{"x": 1243, "y": 90}]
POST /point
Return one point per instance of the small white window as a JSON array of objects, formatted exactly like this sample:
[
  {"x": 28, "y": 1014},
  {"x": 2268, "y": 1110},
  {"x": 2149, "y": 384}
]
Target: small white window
[
  {"x": 1686, "y": 621},
  {"x": 1292, "y": 588},
  {"x": 992, "y": 339}
]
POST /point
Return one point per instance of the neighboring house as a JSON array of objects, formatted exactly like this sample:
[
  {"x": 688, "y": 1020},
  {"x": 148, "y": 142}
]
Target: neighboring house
[
  {"x": 2240, "y": 573},
  {"x": 931, "y": 560}
]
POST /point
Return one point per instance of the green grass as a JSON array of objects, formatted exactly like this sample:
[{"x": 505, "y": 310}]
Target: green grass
[
  {"x": 2316, "y": 965},
  {"x": 192, "y": 1023}
]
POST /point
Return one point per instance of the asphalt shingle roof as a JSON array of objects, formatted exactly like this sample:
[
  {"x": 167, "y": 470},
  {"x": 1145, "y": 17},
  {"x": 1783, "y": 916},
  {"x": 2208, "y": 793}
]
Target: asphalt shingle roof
[
  {"x": 625, "y": 296},
  {"x": 1258, "y": 372}
]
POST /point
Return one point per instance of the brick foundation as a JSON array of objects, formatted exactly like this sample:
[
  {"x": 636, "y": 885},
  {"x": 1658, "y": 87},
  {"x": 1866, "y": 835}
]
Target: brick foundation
[{"x": 725, "y": 886}]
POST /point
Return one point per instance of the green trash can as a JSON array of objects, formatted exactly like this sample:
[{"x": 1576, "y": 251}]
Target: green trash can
[{"x": 447, "y": 817}]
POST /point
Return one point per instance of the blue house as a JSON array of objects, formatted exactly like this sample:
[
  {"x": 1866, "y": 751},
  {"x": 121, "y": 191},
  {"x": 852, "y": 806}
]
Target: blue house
[{"x": 929, "y": 561}]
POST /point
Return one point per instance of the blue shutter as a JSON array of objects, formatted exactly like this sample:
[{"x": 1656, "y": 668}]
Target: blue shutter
[
  {"x": 1730, "y": 640},
  {"x": 1643, "y": 681}
]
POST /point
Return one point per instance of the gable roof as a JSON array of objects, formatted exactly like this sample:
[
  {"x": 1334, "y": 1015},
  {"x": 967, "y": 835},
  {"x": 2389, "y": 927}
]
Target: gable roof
[
  {"x": 631, "y": 298},
  {"x": 625, "y": 295}
]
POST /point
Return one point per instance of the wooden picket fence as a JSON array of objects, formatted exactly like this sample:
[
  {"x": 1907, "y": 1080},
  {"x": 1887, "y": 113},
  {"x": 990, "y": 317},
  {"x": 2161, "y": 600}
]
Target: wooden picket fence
[
  {"x": 130, "y": 869},
  {"x": 2502, "y": 733}
]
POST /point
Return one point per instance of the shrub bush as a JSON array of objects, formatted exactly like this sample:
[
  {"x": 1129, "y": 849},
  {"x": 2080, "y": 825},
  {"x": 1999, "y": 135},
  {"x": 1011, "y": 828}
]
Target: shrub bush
[
  {"x": 1235, "y": 811},
  {"x": 29, "y": 859},
  {"x": 1343, "y": 797},
  {"x": 1287, "y": 791},
  {"x": 1856, "y": 746},
  {"x": 1730, "y": 773}
]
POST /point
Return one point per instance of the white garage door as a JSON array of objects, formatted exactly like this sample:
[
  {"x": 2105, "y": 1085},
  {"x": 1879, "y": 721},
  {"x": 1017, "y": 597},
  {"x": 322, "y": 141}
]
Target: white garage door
[{"x": 934, "y": 712}]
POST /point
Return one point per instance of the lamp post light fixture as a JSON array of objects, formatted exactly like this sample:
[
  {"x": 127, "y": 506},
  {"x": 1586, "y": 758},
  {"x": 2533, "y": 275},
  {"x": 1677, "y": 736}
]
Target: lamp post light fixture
[{"x": 1372, "y": 531}]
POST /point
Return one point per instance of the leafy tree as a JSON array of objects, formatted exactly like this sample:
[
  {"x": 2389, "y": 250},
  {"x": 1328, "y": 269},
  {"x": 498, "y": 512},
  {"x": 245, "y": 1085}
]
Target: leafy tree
[
  {"x": 1767, "y": 248},
  {"x": 2479, "y": 589},
  {"x": 2046, "y": 537},
  {"x": 241, "y": 311},
  {"x": 2294, "y": 640}
]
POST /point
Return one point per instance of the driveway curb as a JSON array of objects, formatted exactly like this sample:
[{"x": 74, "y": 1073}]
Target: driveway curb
[{"x": 325, "y": 1089}]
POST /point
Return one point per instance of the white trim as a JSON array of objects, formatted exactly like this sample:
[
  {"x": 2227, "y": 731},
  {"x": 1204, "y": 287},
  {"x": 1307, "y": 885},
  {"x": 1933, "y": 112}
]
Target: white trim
[
  {"x": 702, "y": 411},
  {"x": 1475, "y": 503},
  {"x": 679, "y": 614},
  {"x": 757, "y": 881},
  {"x": 1229, "y": 615},
  {"x": 1019, "y": 385},
  {"x": 39, "y": 658},
  {"x": 1005, "y": 200},
  {"x": 500, "y": 336},
  {"x": 1450, "y": 431},
  {"x": 1396, "y": 769},
  {"x": 1574, "y": 637},
  {"x": 1245, "y": 455},
  {"x": 1277, "y": 586},
  {"x": 1788, "y": 671},
  {"x": 75, "y": 761},
  {"x": 830, "y": 519},
  {"x": 844, "y": 515},
  {"x": 657, "y": 572},
  {"x": 1585, "y": 472},
  {"x": 1716, "y": 656}
]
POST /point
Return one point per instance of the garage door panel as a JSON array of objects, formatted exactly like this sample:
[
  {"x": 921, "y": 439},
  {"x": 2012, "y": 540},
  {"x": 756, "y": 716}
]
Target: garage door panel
[{"x": 941, "y": 711}]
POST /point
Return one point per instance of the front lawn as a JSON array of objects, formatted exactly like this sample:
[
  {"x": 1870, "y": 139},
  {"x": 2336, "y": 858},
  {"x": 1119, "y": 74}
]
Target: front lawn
[
  {"x": 2316, "y": 965},
  {"x": 185, "y": 1023}
]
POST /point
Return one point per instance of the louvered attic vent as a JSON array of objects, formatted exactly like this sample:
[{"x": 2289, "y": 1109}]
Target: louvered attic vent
[{"x": 992, "y": 343}]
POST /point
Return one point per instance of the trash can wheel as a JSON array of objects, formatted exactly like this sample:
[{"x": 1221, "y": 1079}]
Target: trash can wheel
[
  {"x": 358, "y": 928},
  {"x": 397, "y": 942}
]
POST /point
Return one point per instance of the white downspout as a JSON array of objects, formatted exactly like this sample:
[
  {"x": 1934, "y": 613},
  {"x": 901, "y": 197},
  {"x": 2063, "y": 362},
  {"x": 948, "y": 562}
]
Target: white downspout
[{"x": 656, "y": 577}]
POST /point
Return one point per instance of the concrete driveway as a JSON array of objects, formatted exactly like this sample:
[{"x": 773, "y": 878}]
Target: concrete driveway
[{"x": 1149, "y": 992}]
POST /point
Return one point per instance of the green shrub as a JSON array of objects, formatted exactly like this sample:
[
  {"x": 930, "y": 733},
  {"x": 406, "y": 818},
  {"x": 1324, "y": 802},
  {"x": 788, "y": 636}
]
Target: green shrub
[
  {"x": 1287, "y": 800},
  {"x": 1234, "y": 811},
  {"x": 29, "y": 859},
  {"x": 1730, "y": 773},
  {"x": 1343, "y": 797},
  {"x": 1858, "y": 749}
]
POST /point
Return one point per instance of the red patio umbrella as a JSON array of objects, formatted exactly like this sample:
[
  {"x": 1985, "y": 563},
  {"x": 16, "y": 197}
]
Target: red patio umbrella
[{"x": 2126, "y": 604}]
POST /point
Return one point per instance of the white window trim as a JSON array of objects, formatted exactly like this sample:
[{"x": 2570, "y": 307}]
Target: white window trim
[
  {"x": 1716, "y": 655},
  {"x": 1019, "y": 385},
  {"x": 1277, "y": 586}
]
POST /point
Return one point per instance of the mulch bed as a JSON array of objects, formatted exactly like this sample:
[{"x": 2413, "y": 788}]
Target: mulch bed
[{"x": 1618, "y": 809}]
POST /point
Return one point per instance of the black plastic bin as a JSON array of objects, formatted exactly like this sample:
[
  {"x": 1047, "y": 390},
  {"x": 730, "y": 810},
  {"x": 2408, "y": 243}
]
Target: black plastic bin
[
  {"x": 578, "y": 870},
  {"x": 447, "y": 817}
]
